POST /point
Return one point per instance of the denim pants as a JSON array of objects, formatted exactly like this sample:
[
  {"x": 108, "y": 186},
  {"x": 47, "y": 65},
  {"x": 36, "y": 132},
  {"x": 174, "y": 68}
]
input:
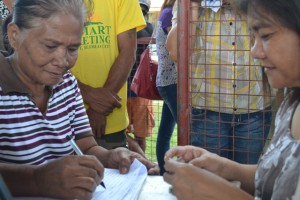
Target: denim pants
[
  {"x": 167, "y": 122},
  {"x": 239, "y": 137}
]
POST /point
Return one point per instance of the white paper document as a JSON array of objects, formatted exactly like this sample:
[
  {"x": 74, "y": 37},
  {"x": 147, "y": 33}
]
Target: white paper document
[
  {"x": 122, "y": 186},
  {"x": 155, "y": 188}
]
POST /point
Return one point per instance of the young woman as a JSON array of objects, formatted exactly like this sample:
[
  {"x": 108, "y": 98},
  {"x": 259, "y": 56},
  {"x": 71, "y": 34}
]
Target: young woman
[
  {"x": 166, "y": 82},
  {"x": 275, "y": 27}
]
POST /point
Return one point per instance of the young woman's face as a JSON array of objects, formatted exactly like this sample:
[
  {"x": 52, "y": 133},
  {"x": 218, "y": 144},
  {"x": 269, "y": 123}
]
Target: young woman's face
[
  {"x": 278, "y": 50},
  {"x": 44, "y": 54}
]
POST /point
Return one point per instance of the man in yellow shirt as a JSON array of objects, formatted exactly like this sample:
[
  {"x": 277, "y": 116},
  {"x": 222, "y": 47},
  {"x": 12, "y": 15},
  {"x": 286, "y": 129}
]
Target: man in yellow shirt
[{"x": 106, "y": 57}]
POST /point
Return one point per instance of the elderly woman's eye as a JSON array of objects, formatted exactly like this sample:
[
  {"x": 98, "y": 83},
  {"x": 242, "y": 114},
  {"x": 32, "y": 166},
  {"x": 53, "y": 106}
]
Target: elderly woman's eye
[
  {"x": 50, "y": 46},
  {"x": 73, "y": 49}
]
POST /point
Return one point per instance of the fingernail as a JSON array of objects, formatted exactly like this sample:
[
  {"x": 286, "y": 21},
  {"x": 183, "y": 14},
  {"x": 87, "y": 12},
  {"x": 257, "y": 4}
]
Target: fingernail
[{"x": 124, "y": 170}]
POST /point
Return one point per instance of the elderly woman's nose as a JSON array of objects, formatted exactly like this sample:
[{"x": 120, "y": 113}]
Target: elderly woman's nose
[{"x": 62, "y": 57}]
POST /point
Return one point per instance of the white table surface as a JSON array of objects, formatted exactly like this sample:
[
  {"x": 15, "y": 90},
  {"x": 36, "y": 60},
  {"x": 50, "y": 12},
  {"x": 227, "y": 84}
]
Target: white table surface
[{"x": 154, "y": 188}]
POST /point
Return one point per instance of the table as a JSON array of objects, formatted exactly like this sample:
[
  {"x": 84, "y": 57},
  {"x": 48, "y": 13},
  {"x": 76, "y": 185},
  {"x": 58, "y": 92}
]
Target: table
[
  {"x": 153, "y": 188},
  {"x": 156, "y": 188}
]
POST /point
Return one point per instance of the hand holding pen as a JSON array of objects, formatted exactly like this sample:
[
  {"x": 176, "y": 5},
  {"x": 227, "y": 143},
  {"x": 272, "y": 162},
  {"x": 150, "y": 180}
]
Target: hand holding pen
[{"x": 79, "y": 152}]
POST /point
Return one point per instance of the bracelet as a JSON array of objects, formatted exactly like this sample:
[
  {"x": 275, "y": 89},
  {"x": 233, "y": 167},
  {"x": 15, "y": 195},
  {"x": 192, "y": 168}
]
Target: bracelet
[{"x": 90, "y": 148}]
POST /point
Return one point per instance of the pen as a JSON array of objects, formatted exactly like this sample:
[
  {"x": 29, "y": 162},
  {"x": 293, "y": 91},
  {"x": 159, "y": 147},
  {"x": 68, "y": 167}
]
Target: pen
[
  {"x": 78, "y": 152},
  {"x": 4, "y": 191}
]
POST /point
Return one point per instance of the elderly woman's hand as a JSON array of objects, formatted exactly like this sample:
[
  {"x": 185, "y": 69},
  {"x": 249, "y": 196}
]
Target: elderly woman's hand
[
  {"x": 70, "y": 177},
  {"x": 121, "y": 158}
]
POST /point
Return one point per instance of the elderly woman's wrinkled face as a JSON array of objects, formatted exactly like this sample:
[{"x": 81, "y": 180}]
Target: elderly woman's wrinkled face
[
  {"x": 43, "y": 54},
  {"x": 277, "y": 48}
]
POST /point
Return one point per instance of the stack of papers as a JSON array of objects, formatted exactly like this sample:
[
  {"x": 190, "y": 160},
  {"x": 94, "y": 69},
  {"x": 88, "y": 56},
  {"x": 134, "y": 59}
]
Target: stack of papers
[{"x": 122, "y": 186}]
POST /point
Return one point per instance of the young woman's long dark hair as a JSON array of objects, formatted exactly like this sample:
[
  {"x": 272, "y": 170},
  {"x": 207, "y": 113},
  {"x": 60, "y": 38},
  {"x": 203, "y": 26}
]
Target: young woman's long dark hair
[
  {"x": 284, "y": 12},
  {"x": 167, "y": 3}
]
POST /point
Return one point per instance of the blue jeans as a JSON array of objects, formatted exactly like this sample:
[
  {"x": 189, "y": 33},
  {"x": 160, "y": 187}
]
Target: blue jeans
[
  {"x": 167, "y": 122},
  {"x": 239, "y": 137}
]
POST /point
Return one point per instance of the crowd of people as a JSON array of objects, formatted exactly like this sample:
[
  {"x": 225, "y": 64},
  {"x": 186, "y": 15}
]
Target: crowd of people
[
  {"x": 64, "y": 67},
  {"x": 140, "y": 110},
  {"x": 41, "y": 103}
]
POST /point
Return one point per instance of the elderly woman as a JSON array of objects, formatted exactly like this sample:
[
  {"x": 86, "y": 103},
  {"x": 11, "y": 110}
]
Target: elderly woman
[
  {"x": 40, "y": 104},
  {"x": 275, "y": 27}
]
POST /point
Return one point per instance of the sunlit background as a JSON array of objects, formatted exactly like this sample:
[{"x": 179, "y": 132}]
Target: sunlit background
[{"x": 156, "y": 4}]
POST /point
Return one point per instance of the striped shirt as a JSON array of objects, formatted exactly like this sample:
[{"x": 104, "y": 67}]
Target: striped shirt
[
  {"x": 28, "y": 136},
  {"x": 224, "y": 77}
]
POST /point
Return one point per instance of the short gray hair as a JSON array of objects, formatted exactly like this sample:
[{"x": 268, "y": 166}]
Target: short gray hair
[{"x": 27, "y": 13}]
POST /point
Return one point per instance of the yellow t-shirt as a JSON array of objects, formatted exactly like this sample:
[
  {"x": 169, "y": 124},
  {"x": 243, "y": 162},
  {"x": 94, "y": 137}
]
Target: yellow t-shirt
[{"x": 99, "y": 49}]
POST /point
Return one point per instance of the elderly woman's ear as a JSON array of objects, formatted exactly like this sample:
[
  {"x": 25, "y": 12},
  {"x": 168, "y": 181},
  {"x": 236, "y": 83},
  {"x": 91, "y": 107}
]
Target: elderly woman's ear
[{"x": 13, "y": 33}]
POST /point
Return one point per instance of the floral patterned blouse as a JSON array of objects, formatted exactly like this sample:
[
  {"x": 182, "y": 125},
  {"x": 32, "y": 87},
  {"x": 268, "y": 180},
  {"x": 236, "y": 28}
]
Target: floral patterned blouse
[
  {"x": 167, "y": 71},
  {"x": 278, "y": 170},
  {"x": 3, "y": 10}
]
